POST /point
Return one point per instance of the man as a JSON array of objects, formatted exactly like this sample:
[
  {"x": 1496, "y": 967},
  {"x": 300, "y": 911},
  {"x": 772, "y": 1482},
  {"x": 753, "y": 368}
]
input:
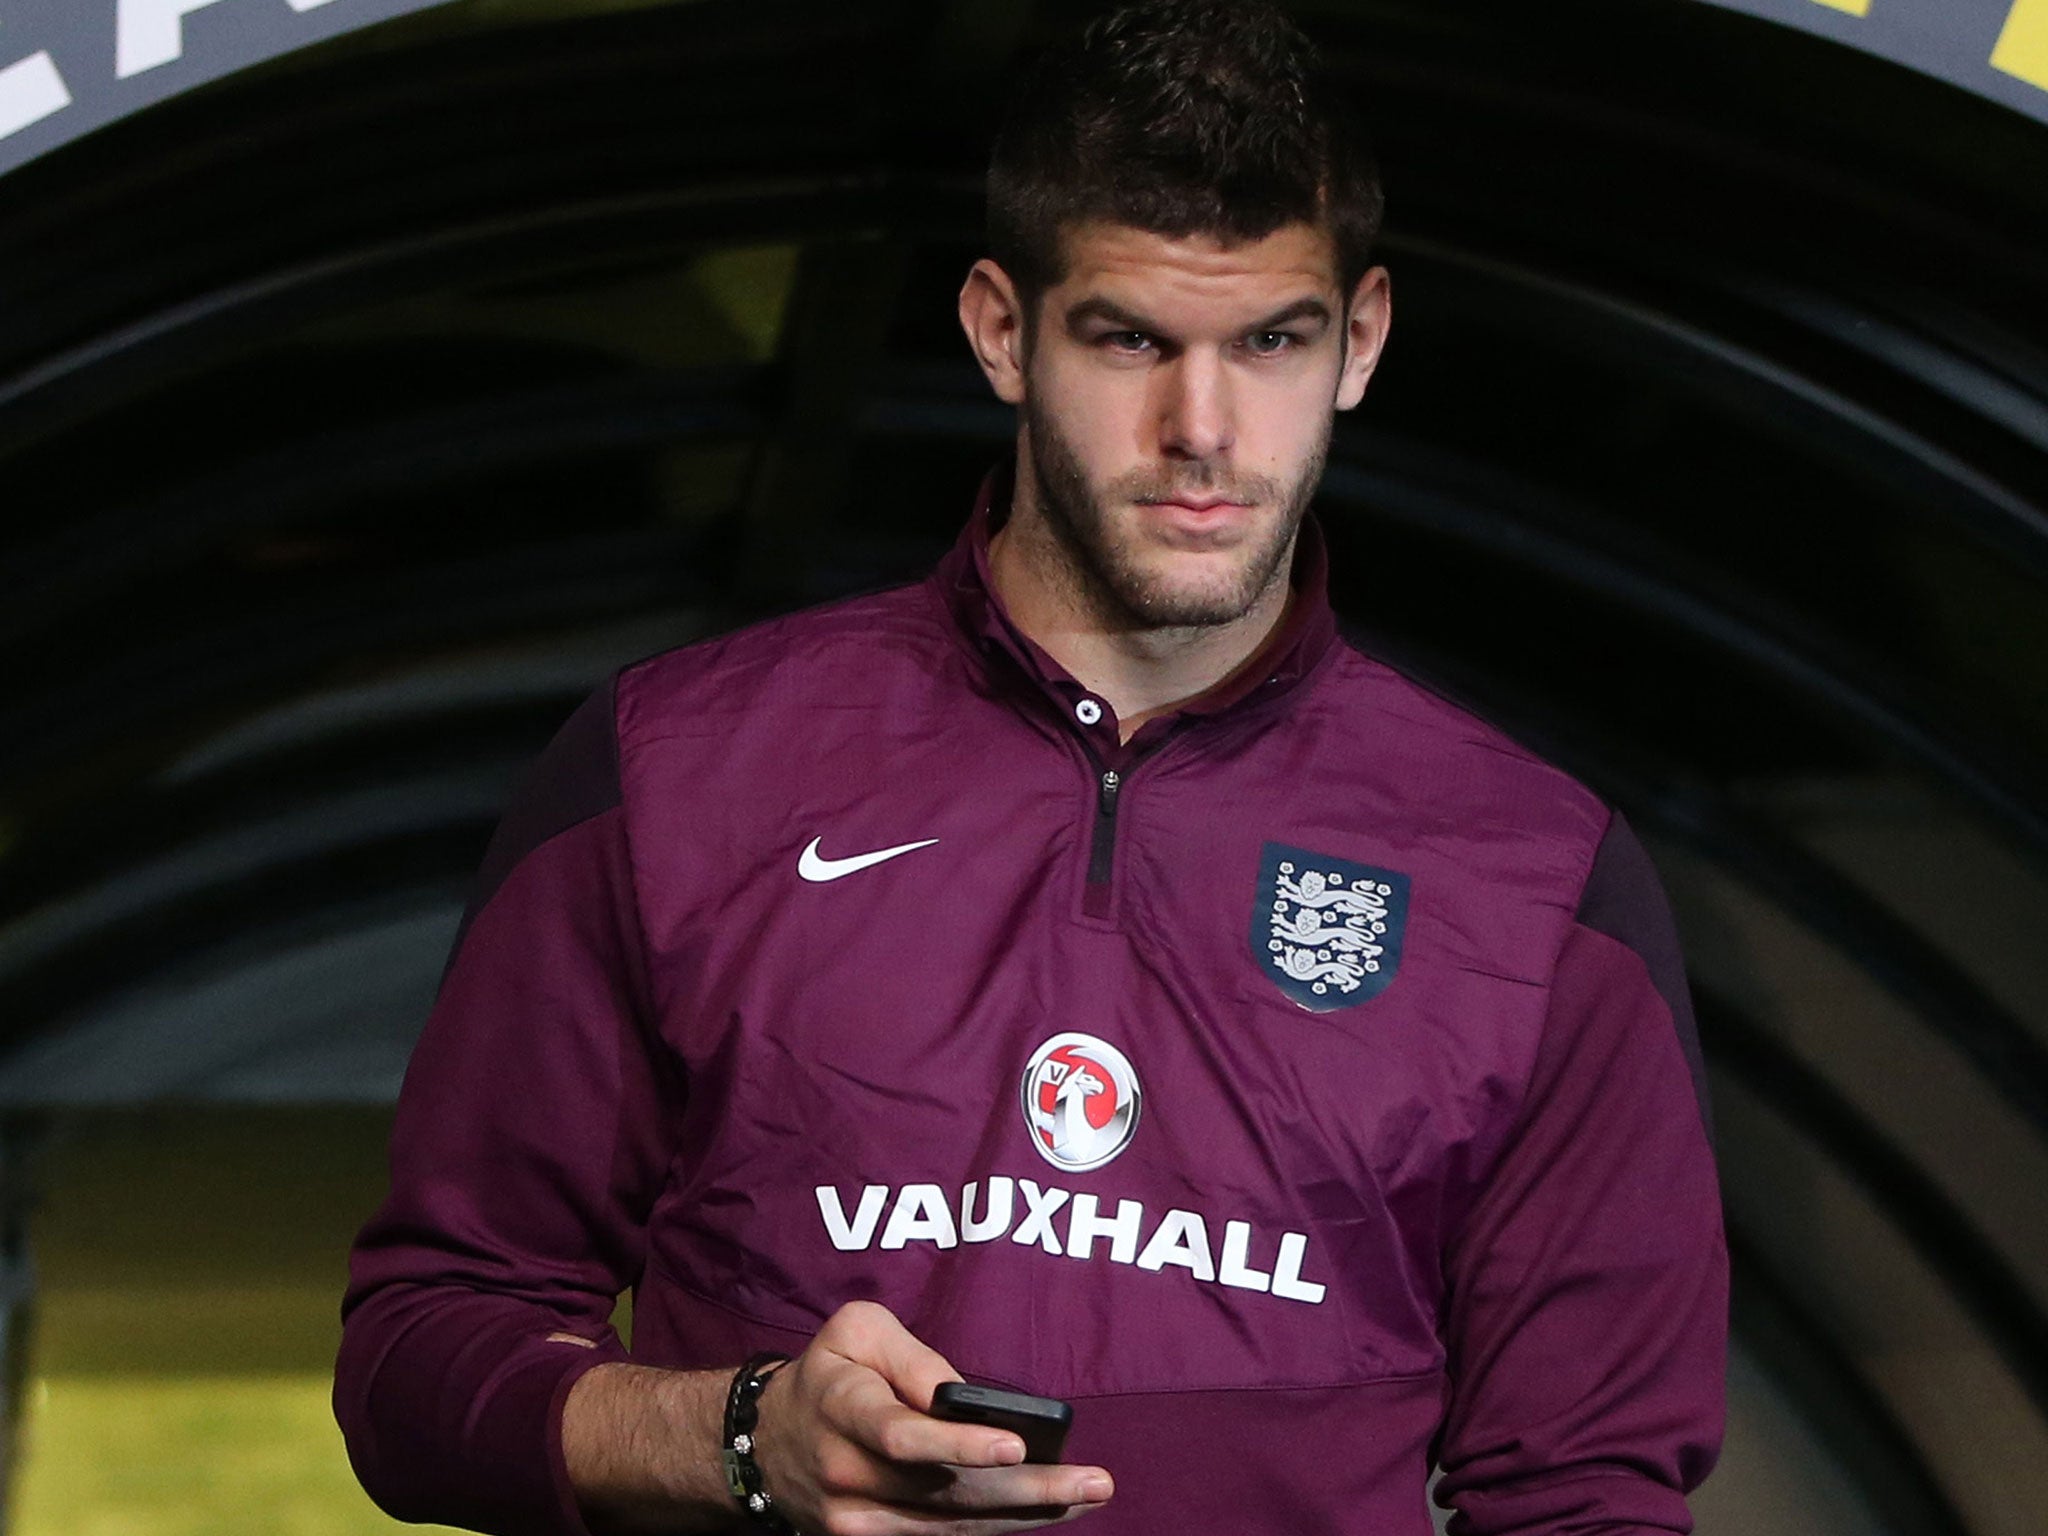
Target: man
[{"x": 1080, "y": 971}]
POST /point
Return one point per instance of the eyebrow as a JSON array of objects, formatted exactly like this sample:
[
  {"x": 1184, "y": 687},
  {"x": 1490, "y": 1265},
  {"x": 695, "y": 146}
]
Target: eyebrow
[
  {"x": 1300, "y": 309},
  {"x": 1099, "y": 308}
]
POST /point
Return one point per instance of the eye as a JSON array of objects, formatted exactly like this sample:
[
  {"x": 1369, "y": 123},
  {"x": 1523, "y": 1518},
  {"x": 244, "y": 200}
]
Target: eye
[
  {"x": 1125, "y": 341},
  {"x": 1267, "y": 343}
]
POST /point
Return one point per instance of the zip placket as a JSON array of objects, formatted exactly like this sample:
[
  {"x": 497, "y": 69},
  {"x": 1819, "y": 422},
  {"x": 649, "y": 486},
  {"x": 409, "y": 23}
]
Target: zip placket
[
  {"x": 1112, "y": 789},
  {"x": 1102, "y": 852}
]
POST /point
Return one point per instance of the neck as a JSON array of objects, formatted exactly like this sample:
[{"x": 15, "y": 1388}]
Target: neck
[{"x": 1141, "y": 671}]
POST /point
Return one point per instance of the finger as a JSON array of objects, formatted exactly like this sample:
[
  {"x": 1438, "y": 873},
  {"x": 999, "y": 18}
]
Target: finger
[
  {"x": 868, "y": 1519},
  {"x": 1037, "y": 1492},
  {"x": 868, "y": 1414},
  {"x": 870, "y": 1334},
  {"x": 928, "y": 1523}
]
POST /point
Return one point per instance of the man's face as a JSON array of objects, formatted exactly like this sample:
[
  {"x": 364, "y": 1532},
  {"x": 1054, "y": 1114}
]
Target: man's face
[{"x": 1177, "y": 403}]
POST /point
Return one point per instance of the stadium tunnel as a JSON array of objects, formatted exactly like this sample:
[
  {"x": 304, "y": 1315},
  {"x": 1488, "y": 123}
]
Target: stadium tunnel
[{"x": 360, "y": 410}]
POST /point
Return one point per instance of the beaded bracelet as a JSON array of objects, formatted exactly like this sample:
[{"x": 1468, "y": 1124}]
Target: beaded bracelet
[{"x": 742, "y": 1413}]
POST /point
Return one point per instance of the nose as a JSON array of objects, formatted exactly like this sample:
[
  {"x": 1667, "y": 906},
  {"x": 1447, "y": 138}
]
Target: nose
[{"x": 1196, "y": 420}]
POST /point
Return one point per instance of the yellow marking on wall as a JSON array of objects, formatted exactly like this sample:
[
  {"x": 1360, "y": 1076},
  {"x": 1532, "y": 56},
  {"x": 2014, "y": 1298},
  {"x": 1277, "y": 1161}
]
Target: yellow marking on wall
[
  {"x": 205, "y": 1455},
  {"x": 1853, "y": 7},
  {"x": 2023, "y": 46},
  {"x": 182, "y": 1354}
]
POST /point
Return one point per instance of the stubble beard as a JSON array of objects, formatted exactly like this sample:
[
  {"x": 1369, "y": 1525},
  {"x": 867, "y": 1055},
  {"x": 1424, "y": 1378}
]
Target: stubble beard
[{"x": 1105, "y": 571}]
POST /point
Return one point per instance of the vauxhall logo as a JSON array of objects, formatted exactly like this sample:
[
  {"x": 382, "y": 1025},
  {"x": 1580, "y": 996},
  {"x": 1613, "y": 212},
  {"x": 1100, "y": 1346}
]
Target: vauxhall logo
[
  {"x": 1080, "y": 1106},
  {"x": 1059, "y": 1221},
  {"x": 1080, "y": 1101}
]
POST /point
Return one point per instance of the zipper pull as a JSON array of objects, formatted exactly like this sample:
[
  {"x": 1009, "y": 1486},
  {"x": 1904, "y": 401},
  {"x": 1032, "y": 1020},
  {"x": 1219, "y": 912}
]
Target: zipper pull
[{"x": 1111, "y": 782}]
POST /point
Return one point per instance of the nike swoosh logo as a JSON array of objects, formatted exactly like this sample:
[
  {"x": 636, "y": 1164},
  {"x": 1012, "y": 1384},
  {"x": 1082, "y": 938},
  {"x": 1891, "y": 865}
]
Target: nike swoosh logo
[{"x": 818, "y": 870}]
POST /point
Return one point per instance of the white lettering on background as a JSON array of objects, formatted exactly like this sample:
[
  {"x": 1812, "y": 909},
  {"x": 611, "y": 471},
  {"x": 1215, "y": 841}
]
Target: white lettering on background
[
  {"x": 151, "y": 33},
  {"x": 996, "y": 1221},
  {"x": 1040, "y": 1208},
  {"x": 851, "y": 1237},
  {"x": 1237, "y": 1242},
  {"x": 922, "y": 1216},
  {"x": 1287, "y": 1279},
  {"x": 923, "y": 1213},
  {"x": 30, "y": 91},
  {"x": 1084, "y": 1226},
  {"x": 1183, "y": 1239}
]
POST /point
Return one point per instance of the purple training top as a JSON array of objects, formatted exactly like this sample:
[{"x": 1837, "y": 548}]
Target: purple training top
[{"x": 1307, "y": 1090}]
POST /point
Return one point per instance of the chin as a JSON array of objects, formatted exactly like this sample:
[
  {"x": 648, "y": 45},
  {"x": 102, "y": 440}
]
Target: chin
[{"x": 1180, "y": 604}]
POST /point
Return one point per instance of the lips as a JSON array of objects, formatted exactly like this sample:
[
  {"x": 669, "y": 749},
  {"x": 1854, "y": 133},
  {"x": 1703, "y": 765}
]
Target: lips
[
  {"x": 1197, "y": 504},
  {"x": 1199, "y": 523}
]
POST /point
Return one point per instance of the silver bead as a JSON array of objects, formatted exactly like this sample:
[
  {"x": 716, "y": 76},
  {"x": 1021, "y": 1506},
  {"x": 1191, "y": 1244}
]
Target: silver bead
[{"x": 744, "y": 1444}]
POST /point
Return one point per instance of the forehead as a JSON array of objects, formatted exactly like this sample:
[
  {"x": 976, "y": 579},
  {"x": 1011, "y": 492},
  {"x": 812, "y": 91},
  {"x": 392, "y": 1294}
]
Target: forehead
[{"x": 1148, "y": 272}]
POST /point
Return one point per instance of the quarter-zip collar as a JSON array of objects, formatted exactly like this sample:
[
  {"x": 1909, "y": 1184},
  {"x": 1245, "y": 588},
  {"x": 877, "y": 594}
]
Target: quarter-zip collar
[{"x": 964, "y": 583}]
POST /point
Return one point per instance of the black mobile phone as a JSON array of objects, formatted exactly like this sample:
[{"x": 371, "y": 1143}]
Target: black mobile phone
[{"x": 1041, "y": 1421}]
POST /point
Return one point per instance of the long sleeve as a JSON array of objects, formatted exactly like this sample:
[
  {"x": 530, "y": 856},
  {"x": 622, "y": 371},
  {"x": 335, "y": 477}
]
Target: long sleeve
[
  {"x": 1587, "y": 1313},
  {"x": 528, "y": 1146}
]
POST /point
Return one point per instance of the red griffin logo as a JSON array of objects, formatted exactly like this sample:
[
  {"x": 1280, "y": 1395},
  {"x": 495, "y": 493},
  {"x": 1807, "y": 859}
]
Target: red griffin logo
[{"x": 1080, "y": 1101}]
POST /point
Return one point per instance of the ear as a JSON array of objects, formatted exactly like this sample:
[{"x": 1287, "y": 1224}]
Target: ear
[
  {"x": 1366, "y": 319},
  {"x": 993, "y": 318}
]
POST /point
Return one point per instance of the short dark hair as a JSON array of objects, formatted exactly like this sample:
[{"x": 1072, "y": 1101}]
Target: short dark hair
[{"x": 1179, "y": 117}]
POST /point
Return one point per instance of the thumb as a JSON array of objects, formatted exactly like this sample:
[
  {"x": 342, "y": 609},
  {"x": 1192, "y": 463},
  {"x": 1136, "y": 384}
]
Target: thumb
[{"x": 869, "y": 1334}]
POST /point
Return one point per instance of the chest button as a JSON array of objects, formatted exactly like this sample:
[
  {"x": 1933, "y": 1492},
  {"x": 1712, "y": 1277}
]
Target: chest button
[{"x": 1088, "y": 712}]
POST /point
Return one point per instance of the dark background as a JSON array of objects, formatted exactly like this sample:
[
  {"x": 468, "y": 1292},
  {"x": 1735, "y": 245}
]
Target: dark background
[{"x": 358, "y": 414}]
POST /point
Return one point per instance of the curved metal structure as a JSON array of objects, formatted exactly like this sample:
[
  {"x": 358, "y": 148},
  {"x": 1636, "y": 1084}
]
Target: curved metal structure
[{"x": 358, "y": 414}]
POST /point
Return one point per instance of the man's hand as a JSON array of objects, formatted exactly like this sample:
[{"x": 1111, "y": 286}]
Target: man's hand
[
  {"x": 844, "y": 1444},
  {"x": 847, "y": 1447}
]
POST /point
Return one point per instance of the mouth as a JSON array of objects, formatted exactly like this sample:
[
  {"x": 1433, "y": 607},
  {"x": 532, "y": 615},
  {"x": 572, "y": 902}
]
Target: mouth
[
  {"x": 1196, "y": 523},
  {"x": 1197, "y": 503}
]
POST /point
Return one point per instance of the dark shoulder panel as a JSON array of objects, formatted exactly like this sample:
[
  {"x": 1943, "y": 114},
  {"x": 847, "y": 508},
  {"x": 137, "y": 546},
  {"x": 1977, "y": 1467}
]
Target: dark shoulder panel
[
  {"x": 1624, "y": 899},
  {"x": 576, "y": 778}
]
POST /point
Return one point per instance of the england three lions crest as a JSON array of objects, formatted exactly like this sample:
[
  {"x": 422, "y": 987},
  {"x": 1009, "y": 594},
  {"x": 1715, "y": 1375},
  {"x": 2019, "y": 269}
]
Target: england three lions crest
[{"x": 1326, "y": 930}]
